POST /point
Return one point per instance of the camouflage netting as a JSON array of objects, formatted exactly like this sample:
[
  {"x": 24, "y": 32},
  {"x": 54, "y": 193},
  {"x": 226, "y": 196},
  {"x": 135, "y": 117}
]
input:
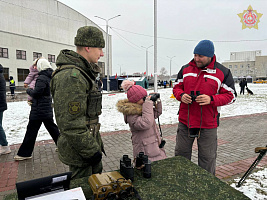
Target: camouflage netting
[
  {"x": 173, "y": 178},
  {"x": 178, "y": 178}
]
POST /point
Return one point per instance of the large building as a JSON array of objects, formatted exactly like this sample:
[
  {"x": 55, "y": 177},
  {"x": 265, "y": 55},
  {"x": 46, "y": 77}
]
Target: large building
[
  {"x": 250, "y": 64},
  {"x": 33, "y": 28}
]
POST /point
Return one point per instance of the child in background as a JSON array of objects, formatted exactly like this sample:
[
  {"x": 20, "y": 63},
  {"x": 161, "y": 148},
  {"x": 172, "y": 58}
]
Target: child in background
[
  {"x": 141, "y": 115},
  {"x": 31, "y": 79}
]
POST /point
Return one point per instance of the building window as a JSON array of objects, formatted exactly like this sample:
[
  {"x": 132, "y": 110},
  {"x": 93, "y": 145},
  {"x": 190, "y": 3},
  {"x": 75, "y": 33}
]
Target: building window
[
  {"x": 6, "y": 73},
  {"x": 22, "y": 74},
  {"x": 230, "y": 66},
  {"x": 242, "y": 66},
  {"x": 3, "y": 52},
  {"x": 51, "y": 58},
  {"x": 21, "y": 54},
  {"x": 36, "y": 55},
  {"x": 235, "y": 66}
]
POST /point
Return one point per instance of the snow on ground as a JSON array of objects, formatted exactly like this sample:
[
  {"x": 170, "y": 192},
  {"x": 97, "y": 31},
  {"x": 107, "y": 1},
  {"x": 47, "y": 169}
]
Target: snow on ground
[
  {"x": 15, "y": 121},
  {"x": 255, "y": 186}
]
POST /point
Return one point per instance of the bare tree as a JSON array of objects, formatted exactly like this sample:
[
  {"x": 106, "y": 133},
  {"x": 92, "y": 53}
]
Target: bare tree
[{"x": 163, "y": 71}]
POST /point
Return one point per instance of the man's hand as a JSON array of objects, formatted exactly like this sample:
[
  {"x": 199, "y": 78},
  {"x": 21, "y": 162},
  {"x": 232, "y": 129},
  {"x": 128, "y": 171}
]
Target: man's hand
[
  {"x": 186, "y": 99},
  {"x": 203, "y": 99},
  {"x": 25, "y": 85}
]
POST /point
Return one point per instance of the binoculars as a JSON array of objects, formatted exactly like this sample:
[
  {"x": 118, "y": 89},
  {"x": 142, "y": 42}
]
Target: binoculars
[
  {"x": 154, "y": 97},
  {"x": 143, "y": 163},
  {"x": 193, "y": 96},
  {"x": 126, "y": 168}
]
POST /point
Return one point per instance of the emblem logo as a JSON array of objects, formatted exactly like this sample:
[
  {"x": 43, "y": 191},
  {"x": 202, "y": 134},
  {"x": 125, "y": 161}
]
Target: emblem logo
[
  {"x": 250, "y": 18},
  {"x": 74, "y": 107}
]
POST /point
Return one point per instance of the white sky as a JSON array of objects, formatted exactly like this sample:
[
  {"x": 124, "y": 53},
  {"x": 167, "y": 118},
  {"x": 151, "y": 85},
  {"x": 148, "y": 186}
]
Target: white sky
[{"x": 184, "y": 19}]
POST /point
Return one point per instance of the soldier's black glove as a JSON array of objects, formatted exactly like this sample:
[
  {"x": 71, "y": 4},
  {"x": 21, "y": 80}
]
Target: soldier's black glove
[{"x": 95, "y": 159}]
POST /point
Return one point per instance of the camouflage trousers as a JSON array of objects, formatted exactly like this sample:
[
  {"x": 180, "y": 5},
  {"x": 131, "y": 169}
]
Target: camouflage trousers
[{"x": 80, "y": 172}]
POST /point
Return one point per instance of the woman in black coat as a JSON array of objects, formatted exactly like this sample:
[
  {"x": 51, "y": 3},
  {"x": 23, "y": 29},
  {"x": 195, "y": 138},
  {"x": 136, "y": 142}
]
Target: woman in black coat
[
  {"x": 4, "y": 149},
  {"x": 41, "y": 111}
]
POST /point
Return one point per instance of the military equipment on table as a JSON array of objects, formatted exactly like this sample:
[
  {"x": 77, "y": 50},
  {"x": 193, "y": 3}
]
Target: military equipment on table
[
  {"x": 143, "y": 163},
  {"x": 126, "y": 168},
  {"x": 262, "y": 151},
  {"x": 110, "y": 185}
]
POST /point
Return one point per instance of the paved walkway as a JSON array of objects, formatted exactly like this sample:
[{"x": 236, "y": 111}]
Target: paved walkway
[{"x": 237, "y": 138}]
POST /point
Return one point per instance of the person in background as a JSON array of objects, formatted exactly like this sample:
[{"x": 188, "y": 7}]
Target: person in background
[
  {"x": 170, "y": 85},
  {"x": 78, "y": 103},
  {"x": 243, "y": 84},
  {"x": 140, "y": 113},
  {"x": 203, "y": 86},
  {"x": 12, "y": 87},
  {"x": 4, "y": 149},
  {"x": 31, "y": 79},
  {"x": 41, "y": 111}
]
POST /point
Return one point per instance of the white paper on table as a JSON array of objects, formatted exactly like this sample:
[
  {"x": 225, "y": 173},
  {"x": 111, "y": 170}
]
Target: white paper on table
[{"x": 72, "y": 194}]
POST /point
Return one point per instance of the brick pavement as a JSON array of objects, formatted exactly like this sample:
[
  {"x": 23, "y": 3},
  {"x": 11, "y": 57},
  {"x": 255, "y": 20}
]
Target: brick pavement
[{"x": 237, "y": 138}]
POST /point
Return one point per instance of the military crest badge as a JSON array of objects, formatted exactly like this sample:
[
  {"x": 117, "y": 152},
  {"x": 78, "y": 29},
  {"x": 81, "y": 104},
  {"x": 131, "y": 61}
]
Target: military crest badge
[
  {"x": 250, "y": 18},
  {"x": 74, "y": 107}
]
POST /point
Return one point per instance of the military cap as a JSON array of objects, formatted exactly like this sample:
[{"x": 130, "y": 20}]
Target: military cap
[{"x": 89, "y": 36}]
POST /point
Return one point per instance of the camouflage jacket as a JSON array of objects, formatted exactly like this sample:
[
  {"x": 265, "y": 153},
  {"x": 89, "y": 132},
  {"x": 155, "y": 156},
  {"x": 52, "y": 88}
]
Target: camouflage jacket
[{"x": 77, "y": 105}]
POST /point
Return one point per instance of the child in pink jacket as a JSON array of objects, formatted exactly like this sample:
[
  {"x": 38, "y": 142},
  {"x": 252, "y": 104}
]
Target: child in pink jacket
[
  {"x": 140, "y": 114},
  {"x": 31, "y": 79}
]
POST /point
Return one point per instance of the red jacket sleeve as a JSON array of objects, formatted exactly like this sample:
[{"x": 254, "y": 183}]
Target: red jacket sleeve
[
  {"x": 227, "y": 93},
  {"x": 178, "y": 89}
]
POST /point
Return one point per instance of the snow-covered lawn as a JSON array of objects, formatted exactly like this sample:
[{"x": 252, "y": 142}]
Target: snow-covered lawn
[
  {"x": 15, "y": 121},
  {"x": 255, "y": 186}
]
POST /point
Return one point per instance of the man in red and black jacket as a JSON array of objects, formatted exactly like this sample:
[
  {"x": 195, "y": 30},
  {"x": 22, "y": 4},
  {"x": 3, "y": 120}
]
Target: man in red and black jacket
[{"x": 204, "y": 85}]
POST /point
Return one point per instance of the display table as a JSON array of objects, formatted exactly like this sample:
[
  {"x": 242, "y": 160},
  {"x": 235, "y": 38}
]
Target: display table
[{"x": 172, "y": 178}]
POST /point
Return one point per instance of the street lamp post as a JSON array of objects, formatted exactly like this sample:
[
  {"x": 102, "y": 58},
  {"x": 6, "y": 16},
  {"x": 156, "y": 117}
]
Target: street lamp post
[
  {"x": 120, "y": 68},
  {"x": 171, "y": 66},
  {"x": 155, "y": 48},
  {"x": 107, "y": 47},
  {"x": 147, "y": 59},
  {"x": 255, "y": 73}
]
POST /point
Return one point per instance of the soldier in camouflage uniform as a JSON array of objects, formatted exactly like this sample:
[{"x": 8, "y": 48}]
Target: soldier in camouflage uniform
[{"x": 78, "y": 103}]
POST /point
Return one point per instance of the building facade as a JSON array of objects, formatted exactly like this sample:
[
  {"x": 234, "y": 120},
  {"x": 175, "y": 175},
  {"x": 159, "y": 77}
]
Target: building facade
[
  {"x": 247, "y": 64},
  {"x": 30, "y": 29},
  {"x": 261, "y": 67}
]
